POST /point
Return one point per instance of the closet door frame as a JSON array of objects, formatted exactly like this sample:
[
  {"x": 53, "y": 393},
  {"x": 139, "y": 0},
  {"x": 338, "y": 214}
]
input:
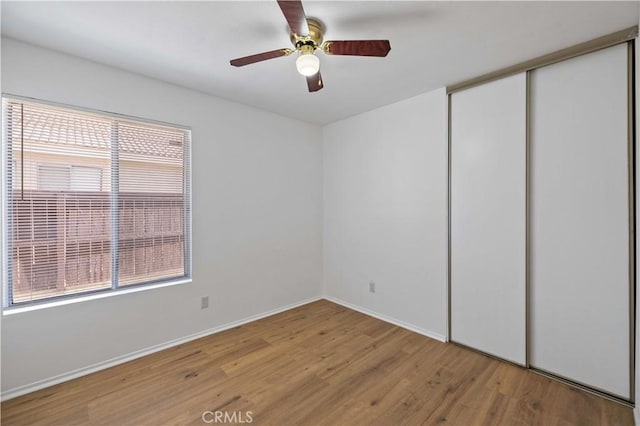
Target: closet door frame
[
  {"x": 627, "y": 36},
  {"x": 631, "y": 171}
]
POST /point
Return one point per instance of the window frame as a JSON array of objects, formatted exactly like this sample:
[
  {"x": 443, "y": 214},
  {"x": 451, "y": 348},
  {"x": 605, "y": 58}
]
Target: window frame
[{"x": 8, "y": 307}]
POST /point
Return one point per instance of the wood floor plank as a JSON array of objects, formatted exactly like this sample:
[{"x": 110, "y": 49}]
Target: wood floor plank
[{"x": 318, "y": 364}]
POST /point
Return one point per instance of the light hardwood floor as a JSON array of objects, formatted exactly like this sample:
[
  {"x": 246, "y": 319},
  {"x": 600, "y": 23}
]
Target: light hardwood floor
[{"x": 319, "y": 364}]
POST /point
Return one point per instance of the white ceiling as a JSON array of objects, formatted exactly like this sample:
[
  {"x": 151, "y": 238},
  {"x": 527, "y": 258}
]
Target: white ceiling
[{"x": 433, "y": 44}]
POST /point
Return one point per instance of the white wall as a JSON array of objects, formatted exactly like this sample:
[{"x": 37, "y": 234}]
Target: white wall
[
  {"x": 257, "y": 227},
  {"x": 385, "y": 212}
]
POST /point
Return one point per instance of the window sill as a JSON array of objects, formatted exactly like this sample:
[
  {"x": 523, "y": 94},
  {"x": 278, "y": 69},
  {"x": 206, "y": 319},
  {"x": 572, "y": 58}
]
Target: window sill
[{"x": 80, "y": 299}]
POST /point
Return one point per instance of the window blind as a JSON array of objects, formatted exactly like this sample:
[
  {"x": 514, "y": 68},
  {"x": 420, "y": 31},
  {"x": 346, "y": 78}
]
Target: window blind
[{"x": 94, "y": 201}]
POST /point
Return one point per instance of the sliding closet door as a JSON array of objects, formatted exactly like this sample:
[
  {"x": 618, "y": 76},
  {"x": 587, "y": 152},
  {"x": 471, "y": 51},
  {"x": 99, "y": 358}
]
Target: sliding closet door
[
  {"x": 580, "y": 306},
  {"x": 488, "y": 172}
]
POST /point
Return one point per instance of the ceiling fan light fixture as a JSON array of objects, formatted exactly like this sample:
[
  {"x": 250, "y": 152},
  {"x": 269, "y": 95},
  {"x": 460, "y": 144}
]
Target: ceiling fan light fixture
[{"x": 308, "y": 64}]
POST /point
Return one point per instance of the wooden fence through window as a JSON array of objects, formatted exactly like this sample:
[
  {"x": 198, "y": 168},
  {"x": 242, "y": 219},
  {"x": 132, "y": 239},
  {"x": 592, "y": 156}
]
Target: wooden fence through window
[{"x": 62, "y": 241}]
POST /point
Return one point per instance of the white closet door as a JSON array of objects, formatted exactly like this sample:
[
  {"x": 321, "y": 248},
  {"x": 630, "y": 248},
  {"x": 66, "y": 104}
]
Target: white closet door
[
  {"x": 488, "y": 217},
  {"x": 580, "y": 220}
]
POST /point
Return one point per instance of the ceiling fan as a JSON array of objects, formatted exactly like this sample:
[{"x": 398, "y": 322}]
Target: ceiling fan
[{"x": 306, "y": 36}]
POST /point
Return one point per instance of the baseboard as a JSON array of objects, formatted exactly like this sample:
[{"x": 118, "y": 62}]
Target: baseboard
[
  {"x": 636, "y": 416},
  {"x": 41, "y": 384},
  {"x": 394, "y": 321}
]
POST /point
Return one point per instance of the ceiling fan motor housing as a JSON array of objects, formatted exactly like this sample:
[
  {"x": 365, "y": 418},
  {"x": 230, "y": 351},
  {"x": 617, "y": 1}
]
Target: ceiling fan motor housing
[{"x": 313, "y": 39}]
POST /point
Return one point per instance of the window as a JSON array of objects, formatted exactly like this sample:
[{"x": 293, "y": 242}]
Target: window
[
  {"x": 69, "y": 178},
  {"x": 54, "y": 178},
  {"x": 94, "y": 202}
]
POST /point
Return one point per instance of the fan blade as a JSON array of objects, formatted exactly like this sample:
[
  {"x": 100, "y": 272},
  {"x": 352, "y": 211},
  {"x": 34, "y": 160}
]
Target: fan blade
[
  {"x": 240, "y": 62},
  {"x": 294, "y": 14},
  {"x": 357, "y": 47},
  {"x": 314, "y": 82}
]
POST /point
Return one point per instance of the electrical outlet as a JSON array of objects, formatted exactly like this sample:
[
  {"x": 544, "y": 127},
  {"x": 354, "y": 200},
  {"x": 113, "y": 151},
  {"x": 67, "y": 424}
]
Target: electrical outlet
[
  {"x": 204, "y": 302},
  {"x": 372, "y": 287}
]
